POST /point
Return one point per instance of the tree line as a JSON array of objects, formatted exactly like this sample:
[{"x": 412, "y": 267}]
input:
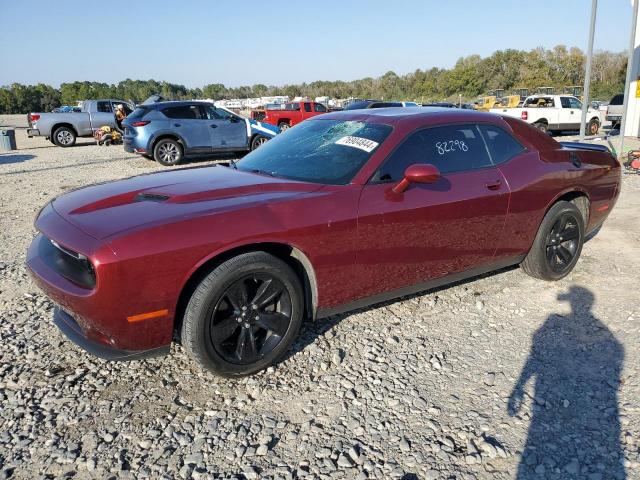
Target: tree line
[{"x": 470, "y": 77}]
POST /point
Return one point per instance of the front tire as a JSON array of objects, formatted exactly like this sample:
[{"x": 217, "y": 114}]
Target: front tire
[
  {"x": 558, "y": 243},
  {"x": 244, "y": 315},
  {"x": 64, "y": 137},
  {"x": 593, "y": 126},
  {"x": 167, "y": 152},
  {"x": 258, "y": 141}
]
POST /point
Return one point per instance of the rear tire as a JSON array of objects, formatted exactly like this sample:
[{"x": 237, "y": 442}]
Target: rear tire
[
  {"x": 558, "y": 243},
  {"x": 543, "y": 127},
  {"x": 64, "y": 137},
  {"x": 167, "y": 152},
  {"x": 284, "y": 126},
  {"x": 593, "y": 126},
  {"x": 244, "y": 315}
]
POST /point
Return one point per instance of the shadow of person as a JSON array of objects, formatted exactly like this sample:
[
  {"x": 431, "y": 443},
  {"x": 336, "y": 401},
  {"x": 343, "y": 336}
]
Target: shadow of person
[{"x": 575, "y": 429}]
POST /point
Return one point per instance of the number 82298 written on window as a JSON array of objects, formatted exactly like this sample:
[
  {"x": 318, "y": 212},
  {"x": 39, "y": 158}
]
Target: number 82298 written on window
[{"x": 451, "y": 146}]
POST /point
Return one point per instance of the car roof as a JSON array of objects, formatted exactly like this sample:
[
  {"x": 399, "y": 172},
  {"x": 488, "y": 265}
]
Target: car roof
[
  {"x": 401, "y": 116},
  {"x": 175, "y": 103}
]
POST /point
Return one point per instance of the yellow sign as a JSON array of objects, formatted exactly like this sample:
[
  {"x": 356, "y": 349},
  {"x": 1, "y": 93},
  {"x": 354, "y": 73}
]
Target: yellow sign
[{"x": 638, "y": 88}]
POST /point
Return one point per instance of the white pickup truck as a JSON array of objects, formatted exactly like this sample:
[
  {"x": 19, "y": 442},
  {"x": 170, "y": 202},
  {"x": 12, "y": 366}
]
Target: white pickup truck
[{"x": 554, "y": 113}]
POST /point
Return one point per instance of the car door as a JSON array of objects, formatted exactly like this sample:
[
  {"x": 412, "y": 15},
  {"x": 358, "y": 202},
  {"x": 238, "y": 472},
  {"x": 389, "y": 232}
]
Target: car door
[
  {"x": 104, "y": 115},
  {"x": 431, "y": 230},
  {"x": 570, "y": 113},
  {"x": 226, "y": 130},
  {"x": 187, "y": 122}
]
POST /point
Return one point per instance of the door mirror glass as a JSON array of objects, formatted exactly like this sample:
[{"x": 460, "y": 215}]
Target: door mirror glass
[{"x": 417, "y": 173}]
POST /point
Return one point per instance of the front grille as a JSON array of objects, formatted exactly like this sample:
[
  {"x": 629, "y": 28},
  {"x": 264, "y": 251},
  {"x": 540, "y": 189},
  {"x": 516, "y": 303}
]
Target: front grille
[{"x": 72, "y": 265}]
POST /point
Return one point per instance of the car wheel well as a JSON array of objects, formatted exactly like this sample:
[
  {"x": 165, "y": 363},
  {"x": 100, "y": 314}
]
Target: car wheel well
[
  {"x": 165, "y": 136},
  {"x": 542, "y": 120},
  {"x": 68, "y": 125},
  {"x": 291, "y": 255},
  {"x": 580, "y": 200}
]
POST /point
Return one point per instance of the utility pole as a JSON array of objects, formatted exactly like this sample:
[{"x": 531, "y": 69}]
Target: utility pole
[{"x": 587, "y": 73}]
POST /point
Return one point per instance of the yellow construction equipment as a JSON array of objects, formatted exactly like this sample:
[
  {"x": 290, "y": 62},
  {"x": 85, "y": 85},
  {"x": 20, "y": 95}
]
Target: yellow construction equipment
[{"x": 484, "y": 104}]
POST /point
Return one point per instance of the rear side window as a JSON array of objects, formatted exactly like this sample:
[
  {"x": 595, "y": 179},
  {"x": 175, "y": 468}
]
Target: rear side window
[
  {"x": 184, "y": 112},
  {"x": 617, "y": 99},
  {"x": 451, "y": 148},
  {"x": 292, "y": 106},
  {"x": 307, "y": 107},
  {"x": 501, "y": 145},
  {"x": 385, "y": 104},
  {"x": 565, "y": 102},
  {"x": 104, "y": 107}
]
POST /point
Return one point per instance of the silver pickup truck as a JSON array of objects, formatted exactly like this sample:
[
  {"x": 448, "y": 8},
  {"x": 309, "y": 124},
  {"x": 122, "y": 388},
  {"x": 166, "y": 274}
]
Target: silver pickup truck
[{"x": 63, "y": 128}]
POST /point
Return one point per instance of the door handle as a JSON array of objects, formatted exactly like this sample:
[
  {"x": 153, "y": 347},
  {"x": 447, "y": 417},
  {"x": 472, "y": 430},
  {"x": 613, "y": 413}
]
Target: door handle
[
  {"x": 177, "y": 125},
  {"x": 493, "y": 185},
  {"x": 213, "y": 125}
]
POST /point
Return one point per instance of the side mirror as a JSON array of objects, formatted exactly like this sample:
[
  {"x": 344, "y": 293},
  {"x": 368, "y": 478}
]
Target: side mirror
[{"x": 417, "y": 173}]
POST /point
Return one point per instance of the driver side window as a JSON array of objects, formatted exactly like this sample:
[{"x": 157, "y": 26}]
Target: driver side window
[
  {"x": 451, "y": 148},
  {"x": 213, "y": 113}
]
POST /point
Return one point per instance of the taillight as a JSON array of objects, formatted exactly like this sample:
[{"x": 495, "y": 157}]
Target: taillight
[
  {"x": 524, "y": 115},
  {"x": 34, "y": 117},
  {"x": 140, "y": 123}
]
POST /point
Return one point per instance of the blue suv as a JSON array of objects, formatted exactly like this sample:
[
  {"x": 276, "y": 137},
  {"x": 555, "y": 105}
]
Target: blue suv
[{"x": 169, "y": 131}]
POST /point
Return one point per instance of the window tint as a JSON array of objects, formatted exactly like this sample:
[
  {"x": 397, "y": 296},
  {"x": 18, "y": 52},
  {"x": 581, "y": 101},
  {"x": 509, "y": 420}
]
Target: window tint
[
  {"x": 501, "y": 145},
  {"x": 307, "y": 107},
  {"x": 451, "y": 148},
  {"x": 292, "y": 106},
  {"x": 104, "y": 106},
  {"x": 617, "y": 99},
  {"x": 138, "y": 113},
  {"x": 183, "y": 111},
  {"x": 565, "y": 102},
  {"x": 385, "y": 104},
  {"x": 320, "y": 108}
]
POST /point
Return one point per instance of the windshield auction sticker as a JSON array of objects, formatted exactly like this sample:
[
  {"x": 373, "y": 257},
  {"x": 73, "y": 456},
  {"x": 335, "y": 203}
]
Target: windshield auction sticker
[{"x": 358, "y": 142}]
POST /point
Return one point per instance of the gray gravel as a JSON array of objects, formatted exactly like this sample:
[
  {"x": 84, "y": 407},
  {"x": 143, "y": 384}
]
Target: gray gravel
[{"x": 426, "y": 387}]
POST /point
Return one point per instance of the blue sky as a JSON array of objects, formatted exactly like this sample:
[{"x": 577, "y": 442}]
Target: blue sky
[{"x": 244, "y": 42}]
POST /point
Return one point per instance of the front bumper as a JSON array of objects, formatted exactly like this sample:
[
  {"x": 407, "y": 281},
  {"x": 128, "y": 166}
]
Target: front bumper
[
  {"x": 73, "y": 332},
  {"x": 33, "y": 132}
]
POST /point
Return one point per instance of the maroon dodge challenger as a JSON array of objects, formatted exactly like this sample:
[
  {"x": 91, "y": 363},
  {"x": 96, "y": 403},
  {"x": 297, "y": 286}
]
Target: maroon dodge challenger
[{"x": 345, "y": 210}]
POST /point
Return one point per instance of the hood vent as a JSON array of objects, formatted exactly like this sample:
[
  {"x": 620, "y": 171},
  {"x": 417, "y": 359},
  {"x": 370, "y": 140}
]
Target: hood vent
[{"x": 151, "y": 197}]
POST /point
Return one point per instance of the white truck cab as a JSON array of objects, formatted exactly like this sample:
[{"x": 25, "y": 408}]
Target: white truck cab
[{"x": 554, "y": 113}]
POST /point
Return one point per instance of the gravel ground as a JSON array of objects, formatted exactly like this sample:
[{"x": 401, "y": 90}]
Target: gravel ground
[{"x": 497, "y": 378}]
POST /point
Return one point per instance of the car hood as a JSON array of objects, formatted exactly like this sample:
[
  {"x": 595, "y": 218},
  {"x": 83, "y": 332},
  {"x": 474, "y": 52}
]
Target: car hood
[{"x": 112, "y": 208}]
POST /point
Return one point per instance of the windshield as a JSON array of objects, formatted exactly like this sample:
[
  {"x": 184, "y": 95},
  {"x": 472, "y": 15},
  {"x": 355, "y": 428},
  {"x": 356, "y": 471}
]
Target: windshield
[{"x": 318, "y": 151}]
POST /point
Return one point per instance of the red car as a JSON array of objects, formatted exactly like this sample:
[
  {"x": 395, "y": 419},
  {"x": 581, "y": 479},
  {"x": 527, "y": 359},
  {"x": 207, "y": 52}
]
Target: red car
[
  {"x": 346, "y": 210},
  {"x": 292, "y": 114}
]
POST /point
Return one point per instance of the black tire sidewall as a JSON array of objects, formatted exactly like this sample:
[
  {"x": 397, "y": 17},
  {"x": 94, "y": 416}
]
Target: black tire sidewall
[
  {"x": 196, "y": 327},
  {"x": 156, "y": 157},
  {"x": 541, "y": 239},
  {"x": 589, "y": 127}
]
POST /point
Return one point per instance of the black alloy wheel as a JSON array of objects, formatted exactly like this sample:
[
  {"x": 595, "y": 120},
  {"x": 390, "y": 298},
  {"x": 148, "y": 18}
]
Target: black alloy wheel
[
  {"x": 250, "y": 319},
  {"x": 562, "y": 242}
]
